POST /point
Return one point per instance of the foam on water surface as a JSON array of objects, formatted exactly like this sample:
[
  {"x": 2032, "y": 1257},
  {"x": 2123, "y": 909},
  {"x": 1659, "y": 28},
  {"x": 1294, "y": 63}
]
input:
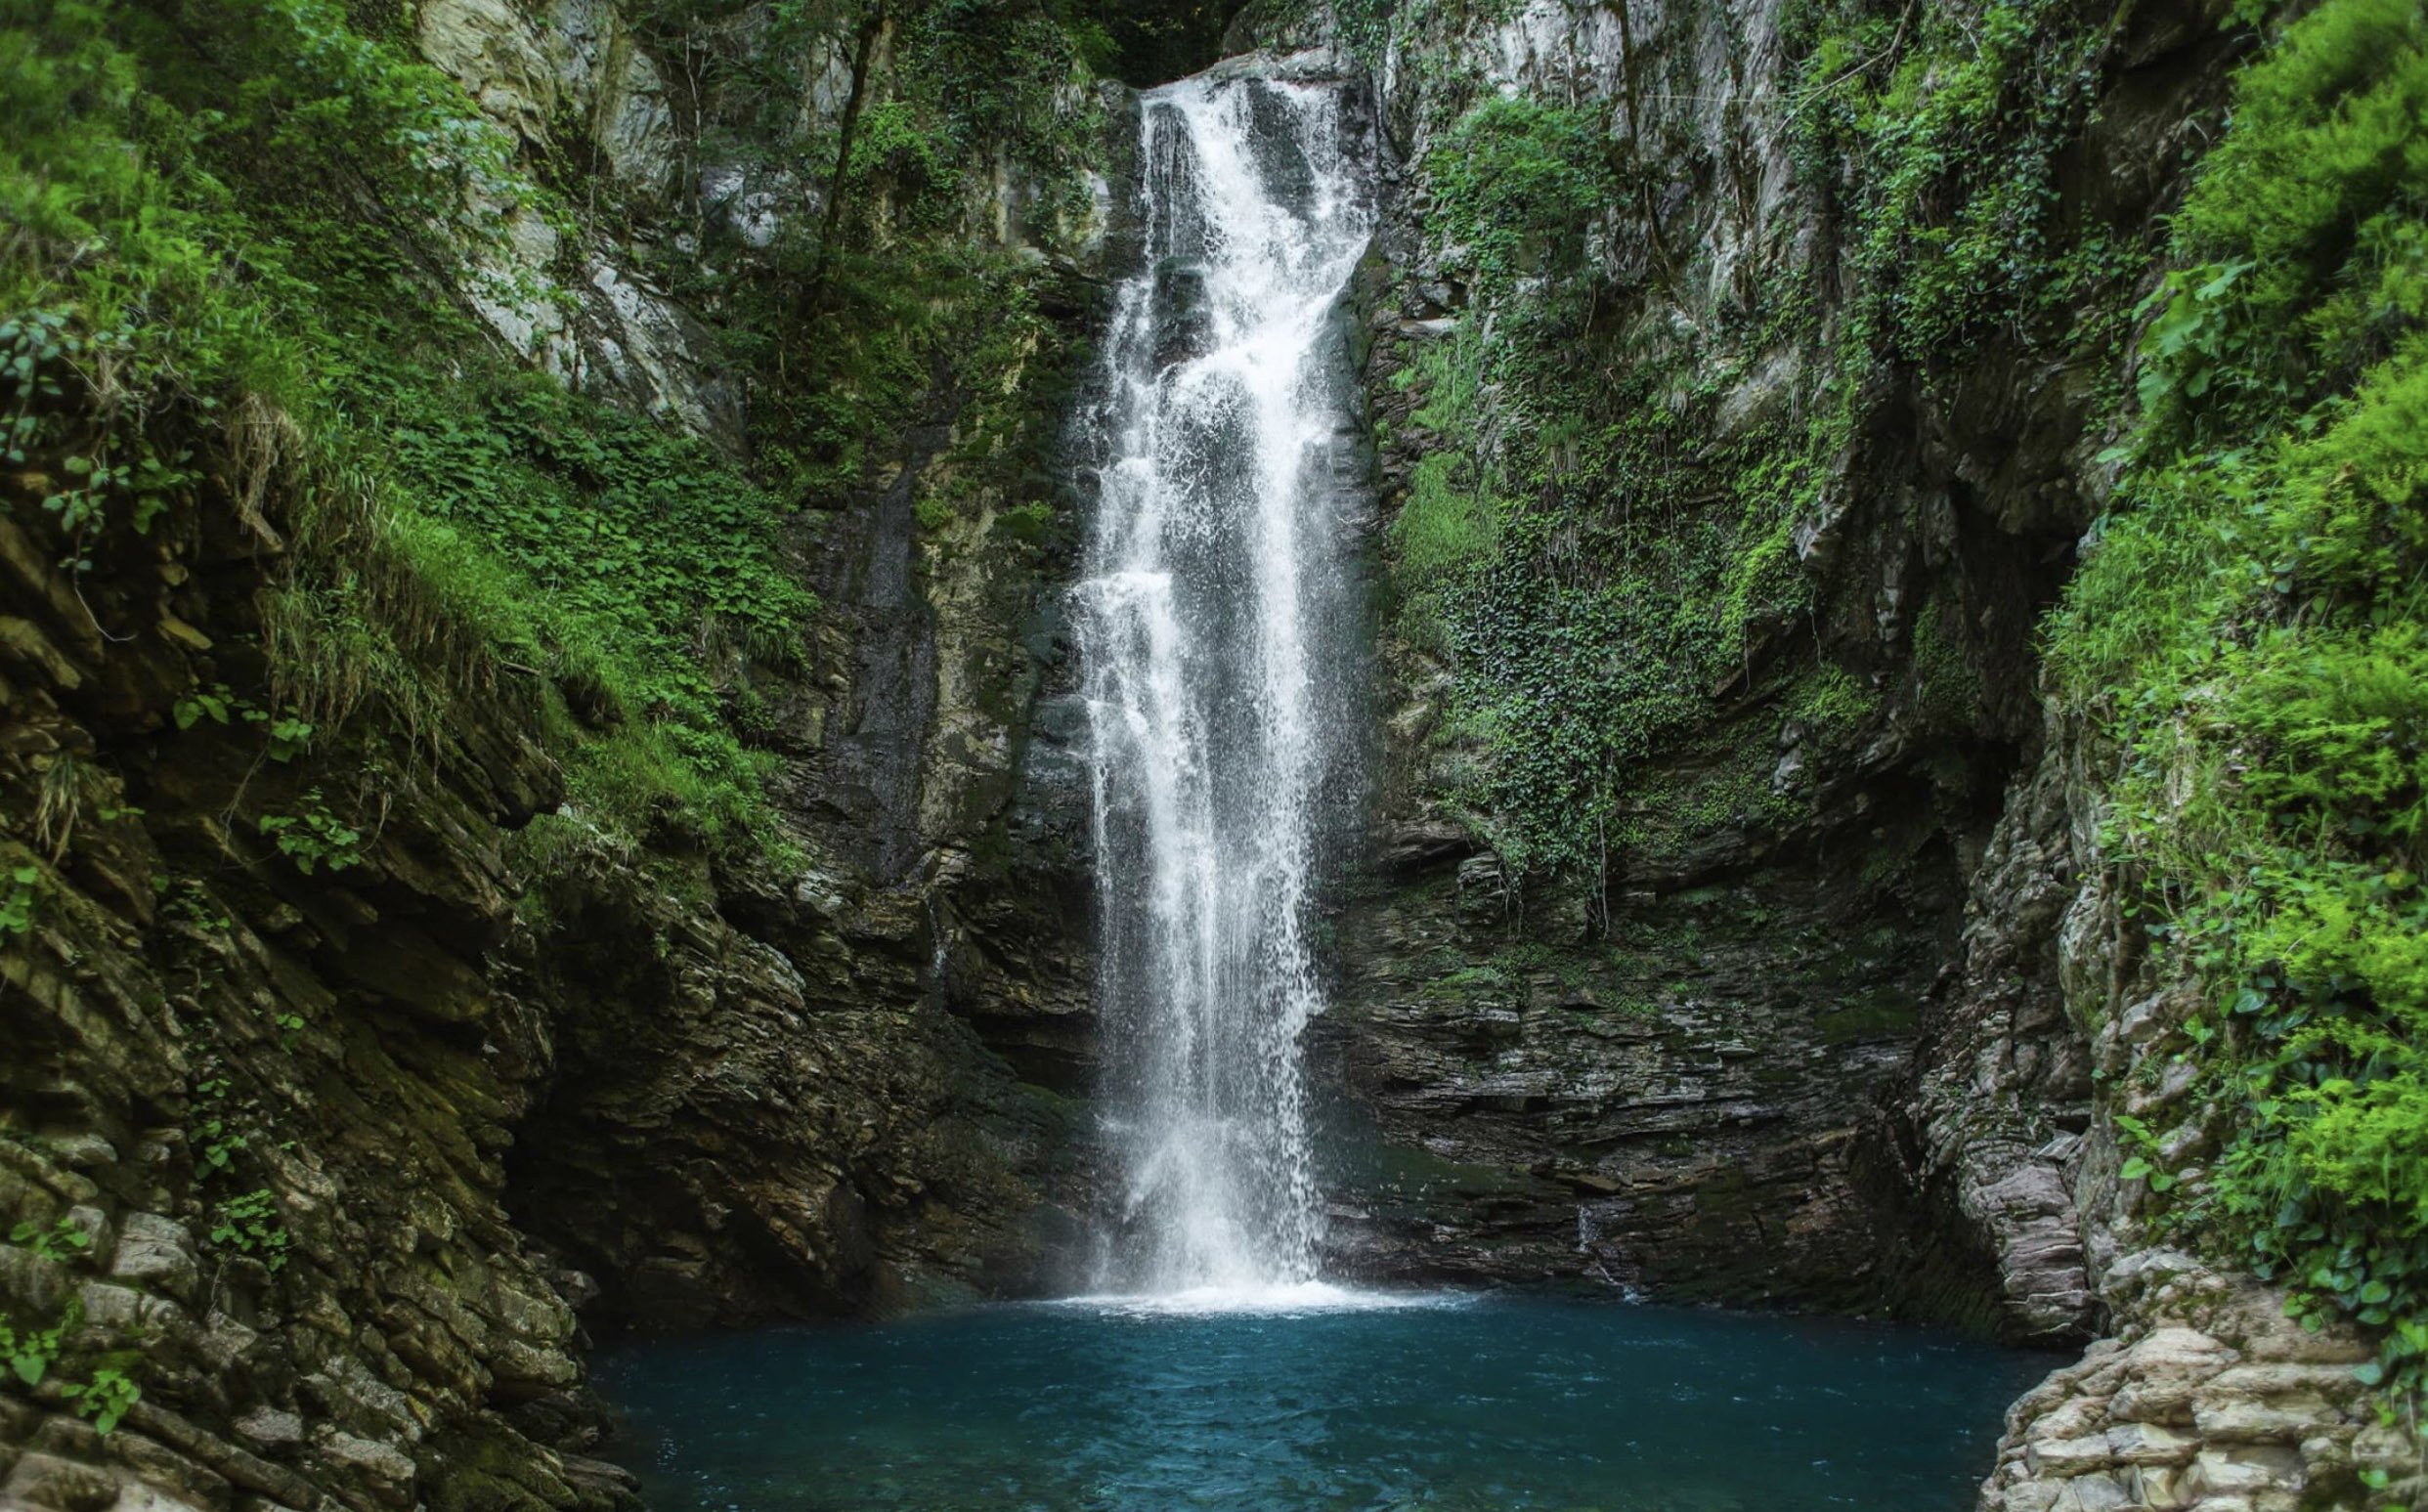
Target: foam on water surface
[{"x": 1280, "y": 1299}]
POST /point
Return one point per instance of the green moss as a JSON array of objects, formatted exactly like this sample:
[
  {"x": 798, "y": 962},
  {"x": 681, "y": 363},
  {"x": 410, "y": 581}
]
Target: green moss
[
  {"x": 1946, "y": 685},
  {"x": 1831, "y": 700},
  {"x": 460, "y": 520},
  {"x": 455, "y": 517},
  {"x": 1883, "y": 1013},
  {"x": 1599, "y": 567},
  {"x": 1942, "y": 130}
]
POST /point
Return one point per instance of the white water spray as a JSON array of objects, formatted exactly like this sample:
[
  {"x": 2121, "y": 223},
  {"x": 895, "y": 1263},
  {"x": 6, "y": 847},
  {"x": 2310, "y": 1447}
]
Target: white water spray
[{"x": 1217, "y": 630}]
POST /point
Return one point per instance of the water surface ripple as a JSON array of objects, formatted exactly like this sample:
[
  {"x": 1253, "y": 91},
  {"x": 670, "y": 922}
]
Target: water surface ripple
[{"x": 1456, "y": 1404}]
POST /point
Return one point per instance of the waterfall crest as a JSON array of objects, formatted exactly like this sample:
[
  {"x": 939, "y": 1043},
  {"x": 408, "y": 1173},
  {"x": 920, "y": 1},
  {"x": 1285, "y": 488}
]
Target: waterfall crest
[{"x": 1219, "y": 641}]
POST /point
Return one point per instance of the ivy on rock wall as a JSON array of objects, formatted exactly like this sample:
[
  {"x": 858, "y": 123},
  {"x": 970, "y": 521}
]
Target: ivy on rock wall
[
  {"x": 1615, "y": 455},
  {"x": 1624, "y": 498},
  {"x": 2251, "y": 632}
]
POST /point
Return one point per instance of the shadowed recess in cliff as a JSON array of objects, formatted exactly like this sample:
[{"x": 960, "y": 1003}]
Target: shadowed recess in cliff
[{"x": 1218, "y": 627}]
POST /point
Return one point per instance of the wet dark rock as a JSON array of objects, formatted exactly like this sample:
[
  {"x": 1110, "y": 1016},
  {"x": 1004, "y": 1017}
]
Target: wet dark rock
[{"x": 1182, "y": 317}]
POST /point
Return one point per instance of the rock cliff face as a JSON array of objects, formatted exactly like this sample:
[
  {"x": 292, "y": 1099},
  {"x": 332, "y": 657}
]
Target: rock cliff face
[
  {"x": 346, "y": 1087},
  {"x": 1846, "y": 1008},
  {"x": 2201, "y": 1392},
  {"x": 1722, "y": 1064},
  {"x": 341, "y": 1098}
]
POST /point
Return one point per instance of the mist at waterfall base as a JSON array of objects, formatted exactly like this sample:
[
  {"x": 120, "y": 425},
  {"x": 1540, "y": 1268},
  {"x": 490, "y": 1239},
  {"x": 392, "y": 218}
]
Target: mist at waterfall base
[
  {"x": 1214, "y": 1366},
  {"x": 1483, "y": 1404}
]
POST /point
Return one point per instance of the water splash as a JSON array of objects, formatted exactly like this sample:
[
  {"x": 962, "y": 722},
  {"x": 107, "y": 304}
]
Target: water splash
[
  {"x": 1282, "y": 1299},
  {"x": 1216, "y": 631}
]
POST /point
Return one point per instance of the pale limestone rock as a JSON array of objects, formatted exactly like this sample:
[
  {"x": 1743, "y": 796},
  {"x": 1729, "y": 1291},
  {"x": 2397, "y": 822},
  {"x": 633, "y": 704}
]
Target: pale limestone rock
[
  {"x": 140, "y": 1496},
  {"x": 156, "y": 1253},
  {"x": 510, "y": 288},
  {"x": 2067, "y": 1456},
  {"x": 268, "y": 1428},
  {"x": 2092, "y": 1493},
  {"x": 633, "y": 122},
  {"x": 645, "y": 347},
  {"x": 2244, "y": 1470},
  {"x": 2149, "y": 1443},
  {"x": 2166, "y": 1369},
  {"x": 496, "y": 53},
  {"x": 384, "y": 1467}
]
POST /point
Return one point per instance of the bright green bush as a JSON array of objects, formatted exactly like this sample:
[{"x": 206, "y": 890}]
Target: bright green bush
[
  {"x": 1520, "y": 184},
  {"x": 2249, "y": 632},
  {"x": 197, "y": 262}
]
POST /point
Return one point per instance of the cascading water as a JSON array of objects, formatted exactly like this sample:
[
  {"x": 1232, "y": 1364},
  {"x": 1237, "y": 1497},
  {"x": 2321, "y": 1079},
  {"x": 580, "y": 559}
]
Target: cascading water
[{"x": 1218, "y": 634}]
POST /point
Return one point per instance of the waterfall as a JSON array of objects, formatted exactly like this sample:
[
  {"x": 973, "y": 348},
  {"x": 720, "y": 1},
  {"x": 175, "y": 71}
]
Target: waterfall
[{"x": 1220, "y": 645}]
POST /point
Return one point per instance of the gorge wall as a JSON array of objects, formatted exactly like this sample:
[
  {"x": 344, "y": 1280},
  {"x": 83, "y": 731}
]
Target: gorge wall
[
  {"x": 1752, "y": 915},
  {"x": 541, "y": 745},
  {"x": 524, "y": 598}
]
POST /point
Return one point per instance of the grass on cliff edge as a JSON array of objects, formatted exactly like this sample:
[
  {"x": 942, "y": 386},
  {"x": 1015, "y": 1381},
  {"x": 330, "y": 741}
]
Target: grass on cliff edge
[
  {"x": 2251, "y": 633},
  {"x": 224, "y": 216}
]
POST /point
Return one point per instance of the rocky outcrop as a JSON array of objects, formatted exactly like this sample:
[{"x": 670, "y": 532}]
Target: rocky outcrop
[
  {"x": 1846, "y": 1017},
  {"x": 2203, "y": 1392},
  {"x": 1990, "y": 1124},
  {"x": 352, "y": 1078},
  {"x": 1664, "y": 1073},
  {"x": 286, "y": 1097},
  {"x": 2211, "y": 1399},
  {"x": 1669, "y": 1110},
  {"x": 259, "y": 1093}
]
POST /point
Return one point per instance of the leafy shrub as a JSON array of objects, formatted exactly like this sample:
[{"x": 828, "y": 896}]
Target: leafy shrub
[
  {"x": 242, "y": 269},
  {"x": 105, "y": 1398},
  {"x": 59, "y": 1241},
  {"x": 2249, "y": 633},
  {"x": 313, "y": 838},
  {"x": 32, "y": 1351},
  {"x": 249, "y": 1225},
  {"x": 1520, "y": 182}
]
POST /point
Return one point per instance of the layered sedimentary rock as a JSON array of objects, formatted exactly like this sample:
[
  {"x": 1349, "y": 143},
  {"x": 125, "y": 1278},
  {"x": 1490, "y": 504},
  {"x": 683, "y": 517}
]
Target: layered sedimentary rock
[
  {"x": 1672, "y": 1074},
  {"x": 350, "y": 1155},
  {"x": 339, "y": 1106}
]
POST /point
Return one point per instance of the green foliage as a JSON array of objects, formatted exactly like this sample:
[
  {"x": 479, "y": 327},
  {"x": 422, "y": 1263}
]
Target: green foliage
[
  {"x": 61, "y": 1241},
  {"x": 1150, "y": 43},
  {"x": 30, "y": 1353},
  {"x": 289, "y": 737},
  {"x": 20, "y": 895},
  {"x": 249, "y": 1225},
  {"x": 613, "y": 553},
  {"x": 313, "y": 838},
  {"x": 244, "y": 266},
  {"x": 2249, "y": 632},
  {"x": 1833, "y": 699},
  {"x": 1641, "y": 565},
  {"x": 1450, "y": 520},
  {"x": 1443, "y": 527},
  {"x": 105, "y": 1398},
  {"x": 1519, "y": 184},
  {"x": 1592, "y": 568},
  {"x": 215, "y": 1135},
  {"x": 893, "y": 150},
  {"x": 1938, "y": 129}
]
